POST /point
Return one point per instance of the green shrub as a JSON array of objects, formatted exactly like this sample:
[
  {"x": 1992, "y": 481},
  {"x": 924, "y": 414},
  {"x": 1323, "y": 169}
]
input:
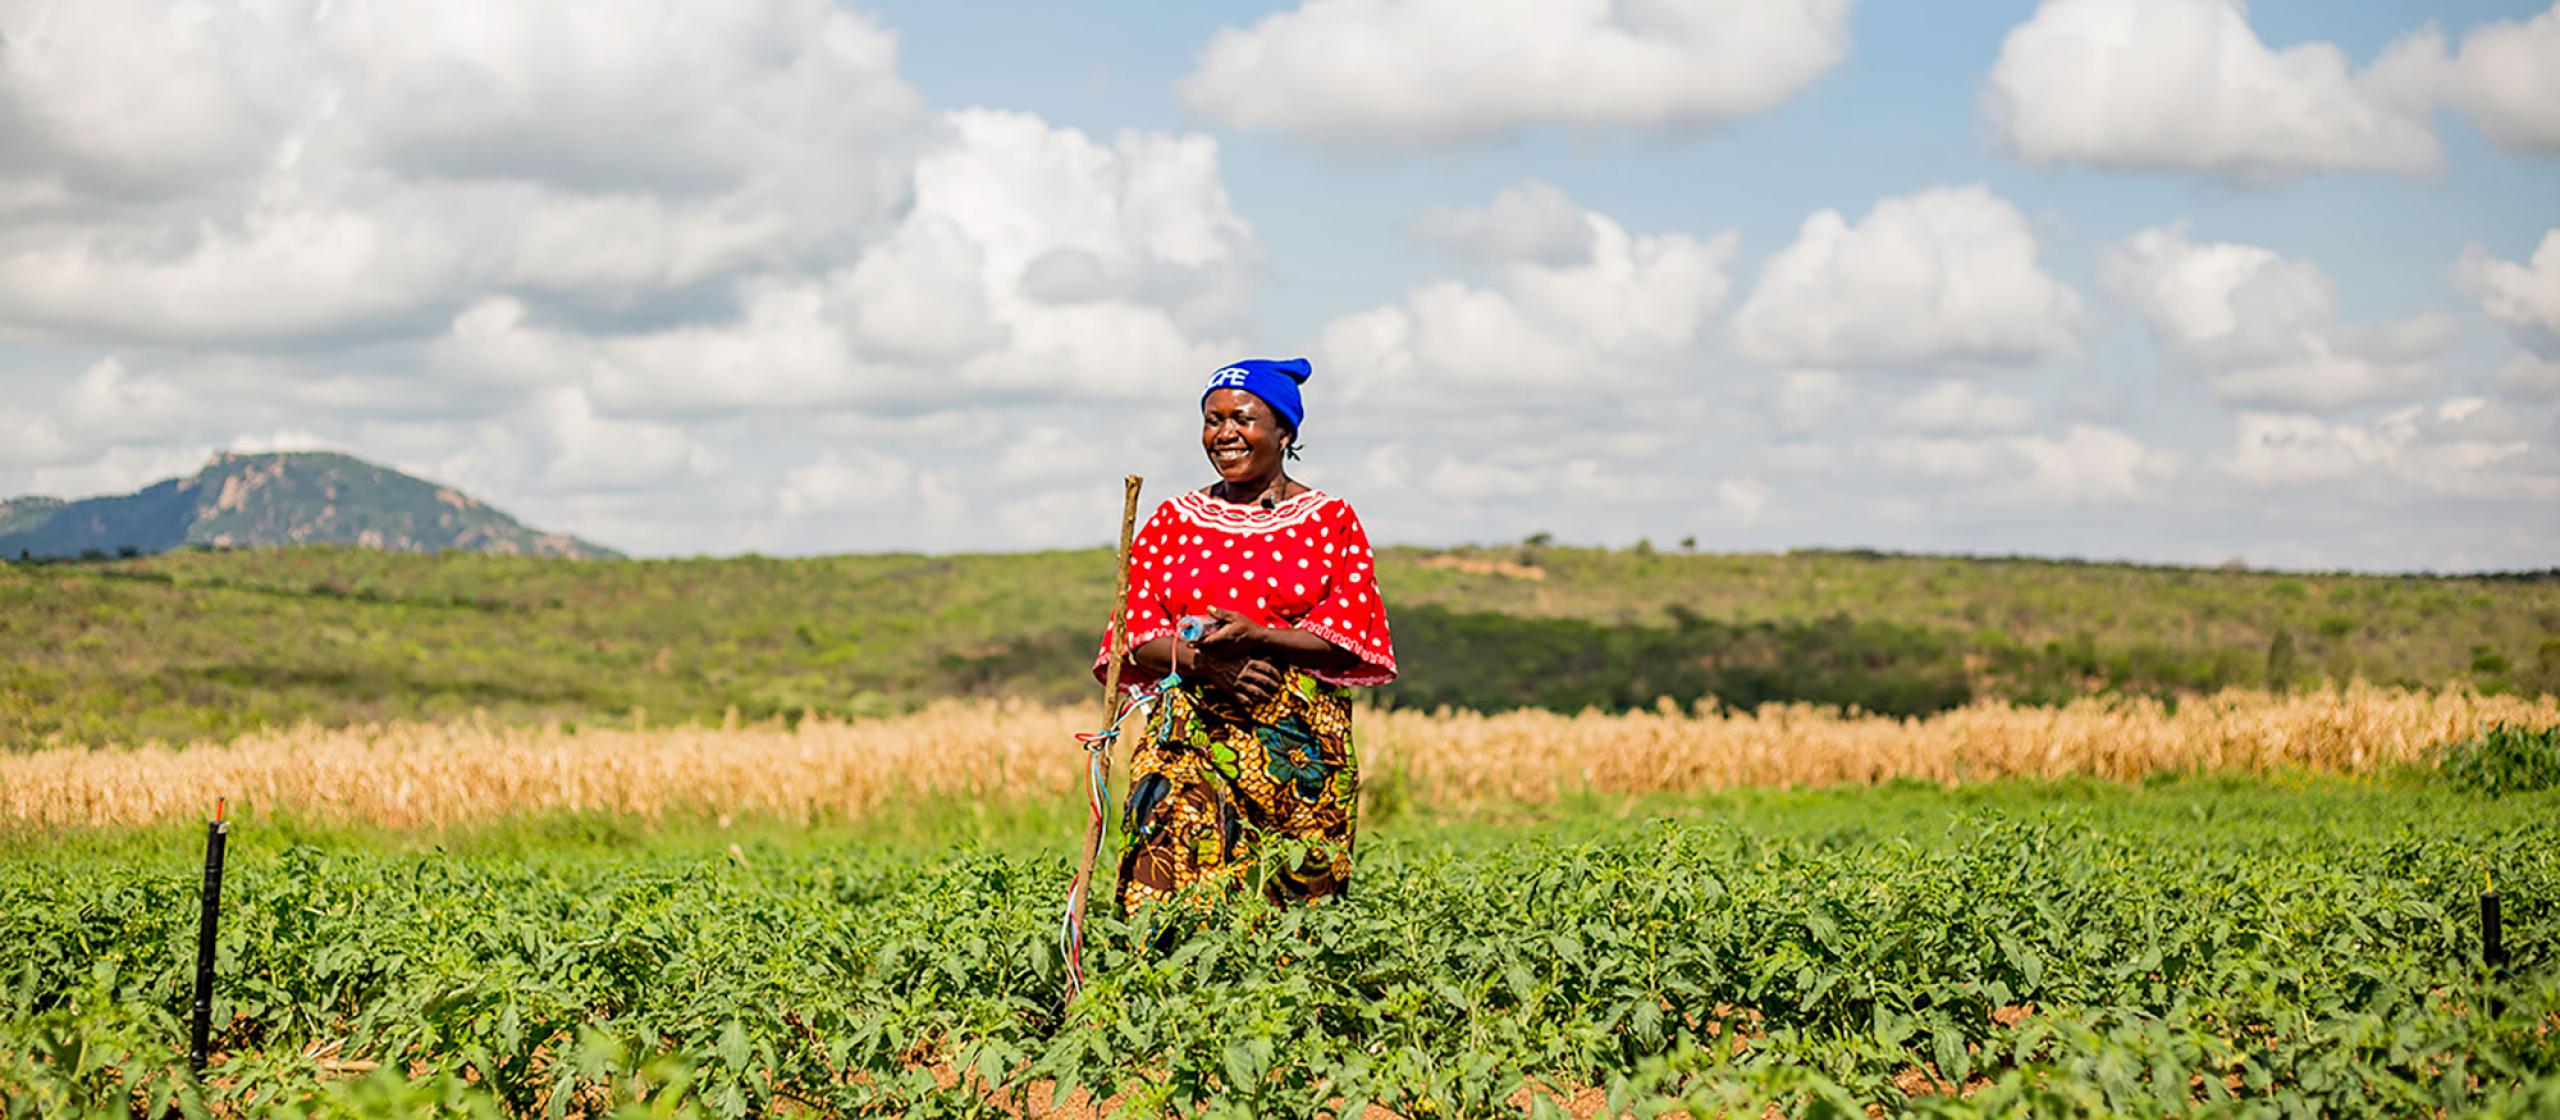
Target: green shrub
[
  {"x": 2283, "y": 664},
  {"x": 2506, "y": 759}
]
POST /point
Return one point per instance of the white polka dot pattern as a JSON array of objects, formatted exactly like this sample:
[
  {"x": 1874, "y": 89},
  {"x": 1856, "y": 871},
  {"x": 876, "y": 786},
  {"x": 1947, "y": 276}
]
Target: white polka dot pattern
[{"x": 1315, "y": 540}]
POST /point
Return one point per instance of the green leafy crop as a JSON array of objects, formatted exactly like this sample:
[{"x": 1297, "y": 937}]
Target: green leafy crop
[
  {"x": 2172, "y": 950},
  {"x": 2506, "y": 759}
]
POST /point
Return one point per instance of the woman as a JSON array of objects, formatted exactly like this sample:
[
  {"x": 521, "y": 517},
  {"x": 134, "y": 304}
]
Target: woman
[{"x": 1256, "y": 743}]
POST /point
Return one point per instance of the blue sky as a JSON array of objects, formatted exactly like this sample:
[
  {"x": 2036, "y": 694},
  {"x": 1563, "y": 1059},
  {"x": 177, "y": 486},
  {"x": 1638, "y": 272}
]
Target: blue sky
[
  {"x": 1899, "y": 114},
  {"x": 2173, "y": 280}
]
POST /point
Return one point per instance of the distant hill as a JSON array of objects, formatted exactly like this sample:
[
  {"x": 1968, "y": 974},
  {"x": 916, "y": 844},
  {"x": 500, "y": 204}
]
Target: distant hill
[{"x": 284, "y": 498}]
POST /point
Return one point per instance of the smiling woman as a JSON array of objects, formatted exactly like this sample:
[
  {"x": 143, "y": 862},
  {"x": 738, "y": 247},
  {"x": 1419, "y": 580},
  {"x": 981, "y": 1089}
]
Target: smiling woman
[{"x": 1261, "y": 748}]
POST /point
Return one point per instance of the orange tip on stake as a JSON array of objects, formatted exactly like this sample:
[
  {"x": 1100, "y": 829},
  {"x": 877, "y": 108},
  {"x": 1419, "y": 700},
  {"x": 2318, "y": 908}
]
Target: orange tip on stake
[{"x": 220, "y": 804}]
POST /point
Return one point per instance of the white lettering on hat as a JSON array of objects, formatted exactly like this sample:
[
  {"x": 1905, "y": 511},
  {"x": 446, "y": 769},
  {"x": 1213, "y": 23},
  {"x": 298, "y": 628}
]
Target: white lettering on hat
[{"x": 1231, "y": 377}]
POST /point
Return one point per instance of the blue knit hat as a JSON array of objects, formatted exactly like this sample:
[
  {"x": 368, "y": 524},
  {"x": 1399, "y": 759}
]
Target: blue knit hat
[{"x": 1275, "y": 382}]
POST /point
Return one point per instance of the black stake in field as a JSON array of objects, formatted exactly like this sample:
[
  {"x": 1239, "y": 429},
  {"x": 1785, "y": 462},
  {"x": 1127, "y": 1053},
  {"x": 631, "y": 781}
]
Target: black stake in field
[
  {"x": 2493, "y": 946},
  {"x": 201, "y": 1031}
]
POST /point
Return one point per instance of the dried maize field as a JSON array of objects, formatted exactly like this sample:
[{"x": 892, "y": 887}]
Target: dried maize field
[{"x": 996, "y": 754}]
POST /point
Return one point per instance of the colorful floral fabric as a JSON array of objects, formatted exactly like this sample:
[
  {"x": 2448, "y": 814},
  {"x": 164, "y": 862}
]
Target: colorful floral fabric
[{"x": 1213, "y": 781}]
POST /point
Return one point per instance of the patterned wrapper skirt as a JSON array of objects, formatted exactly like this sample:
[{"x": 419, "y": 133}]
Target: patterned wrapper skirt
[{"x": 1213, "y": 782}]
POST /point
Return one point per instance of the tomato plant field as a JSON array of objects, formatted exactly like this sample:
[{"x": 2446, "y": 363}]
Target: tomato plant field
[{"x": 2198, "y": 947}]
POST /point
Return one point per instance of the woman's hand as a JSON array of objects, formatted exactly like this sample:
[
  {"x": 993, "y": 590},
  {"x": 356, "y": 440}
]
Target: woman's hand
[
  {"x": 1234, "y": 636},
  {"x": 1232, "y": 657},
  {"x": 1243, "y": 658},
  {"x": 1250, "y": 679},
  {"x": 1241, "y": 641}
]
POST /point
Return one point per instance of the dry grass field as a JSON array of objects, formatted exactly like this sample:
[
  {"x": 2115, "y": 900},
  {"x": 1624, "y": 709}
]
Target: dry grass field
[{"x": 997, "y": 754}]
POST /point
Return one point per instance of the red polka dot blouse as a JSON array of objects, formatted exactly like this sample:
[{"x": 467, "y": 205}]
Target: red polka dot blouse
[{"x": 1305, "y": 565}]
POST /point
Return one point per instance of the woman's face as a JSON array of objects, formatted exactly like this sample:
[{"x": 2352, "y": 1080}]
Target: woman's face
[{"x": 1241, "y": 434}]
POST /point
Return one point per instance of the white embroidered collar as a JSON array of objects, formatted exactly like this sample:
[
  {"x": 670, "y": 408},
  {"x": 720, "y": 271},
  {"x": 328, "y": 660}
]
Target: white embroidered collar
[{"x": 1228, "y": 517}]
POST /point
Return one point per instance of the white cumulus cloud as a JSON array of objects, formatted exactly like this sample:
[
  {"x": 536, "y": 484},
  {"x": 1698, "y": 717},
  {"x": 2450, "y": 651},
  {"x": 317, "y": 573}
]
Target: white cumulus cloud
[
  {"x": 2529, "y": 376},
  {"x": 219, "y": 91},
  {"x": 2086, "y": 465},
  {"x": 1743, "y": 500},
  {"x": 2188, "y": 85},
  {"x": 1960, "y": 407},
  {"x": 1804, "y": 398},
  {"x": 839, "y": 481},
  {"x": 1531, "y": 222},
  {"x": 2261, "y": 327},
  {"x": 2523, "y": 298},
  {"x": 1947, "y": 275},
  {"x": 107, "y": 404},
  {"x": 2505, "y": 77},
  {"x": 963, "y": 298},
  {"x": 564, "y": 253},
  {"x": 1382, "y": 73},
  {"x": 2089, "y": 464},
  {"x": 710, "y": 275},
  {"x": 2453, "y": 449},
  {"x": 243, "y": 173},
  {"x": 592, "y": 452},
  {"x": 1631, "y": 313}
]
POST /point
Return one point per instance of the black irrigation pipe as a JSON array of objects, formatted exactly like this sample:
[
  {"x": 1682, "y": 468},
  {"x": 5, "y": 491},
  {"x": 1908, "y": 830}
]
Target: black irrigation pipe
[{"x": 200, "y": 1031}]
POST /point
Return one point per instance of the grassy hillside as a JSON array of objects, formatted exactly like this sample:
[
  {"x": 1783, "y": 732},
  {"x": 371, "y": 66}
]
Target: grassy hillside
[{"x": 198, "y": 643}]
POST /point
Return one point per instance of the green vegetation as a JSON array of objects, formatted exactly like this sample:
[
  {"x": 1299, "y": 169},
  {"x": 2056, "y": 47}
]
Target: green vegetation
[
  {"x": 209, "y": 643},
  {"x": 2506, "y": 759},
  {"x": 2177, "y": 948}
]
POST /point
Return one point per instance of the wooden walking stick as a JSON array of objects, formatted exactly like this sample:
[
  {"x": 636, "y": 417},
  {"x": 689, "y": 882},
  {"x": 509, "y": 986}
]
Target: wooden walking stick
[
  {"x": 1100, "y": 745},
  {"x": 1119, "y": 604}
]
